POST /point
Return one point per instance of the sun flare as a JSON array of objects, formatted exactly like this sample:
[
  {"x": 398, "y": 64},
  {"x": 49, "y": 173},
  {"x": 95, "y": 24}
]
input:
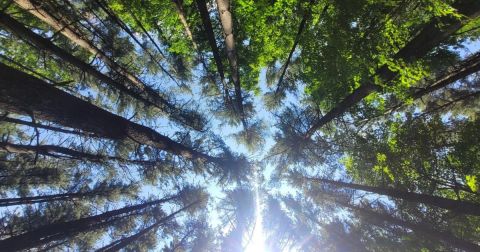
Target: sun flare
[{"x": 257, "y": 242}]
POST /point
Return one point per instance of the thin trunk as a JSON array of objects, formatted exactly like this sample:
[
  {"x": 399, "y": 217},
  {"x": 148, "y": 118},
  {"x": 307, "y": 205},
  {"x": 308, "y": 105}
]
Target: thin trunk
[
  {"x": 51, "y": 232},
  {"x": 301, "y": 27},
  {"x": 461, "y": 70},
  {"x": 123, "y": 26},
  {"x": 180, "y": 243},
  {"x": 122, "y": 243},
  {"x": 62, "y": 152},
  {"x": 227, "y": 25},
  {"x": 47, "y": 198},
  {"x": 139, "y": 24},
  {"x": 457, "y": 206},
  {"x": 62, "y": 26},
  {"x": 207, "y": 25},
  {"x": 47, "y": 127},
  {"x": 430, "y": 36},
  {"x": 24, "y": 94},
  {"x": 183, "y": 20},
  {"x": 148, "y": 98},
  {"x": 422, "y": 228}
]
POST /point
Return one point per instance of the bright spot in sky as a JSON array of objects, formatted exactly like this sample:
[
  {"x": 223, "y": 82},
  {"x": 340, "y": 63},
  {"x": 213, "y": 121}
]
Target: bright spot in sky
[{"x": 257, "y": 242}]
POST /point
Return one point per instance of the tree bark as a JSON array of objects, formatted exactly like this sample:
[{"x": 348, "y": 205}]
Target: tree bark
[
  {"x": 23, "y": 94},
  {"x": 122, "y": 243},
  {"x": 426, "y": 230},
  {"x": 149, "y": 98},
  {"x": 457, "y": 206},
  {"x": 51, "y": 232},
  {"x": 429, "y": 37},
  {"x": 226, "y": 19}
]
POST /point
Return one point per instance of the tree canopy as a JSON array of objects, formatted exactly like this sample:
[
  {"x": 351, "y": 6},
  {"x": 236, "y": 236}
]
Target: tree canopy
[{"x": 218, "y": 125}]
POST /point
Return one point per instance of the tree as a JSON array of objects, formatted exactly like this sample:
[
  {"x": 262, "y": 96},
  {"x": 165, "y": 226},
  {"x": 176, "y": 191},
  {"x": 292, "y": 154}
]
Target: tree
[
  {"x": 426, "y": 40},
  {"x": 453, "y": 205},
  {"x": 148, "y": 97},
  {"x": 57, "y": 231},
  {"x": 21, "y": 94}
]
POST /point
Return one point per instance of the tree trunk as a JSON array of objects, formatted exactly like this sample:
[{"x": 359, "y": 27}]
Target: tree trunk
[
  {"x": 430, "y": 36},
  {"x": 183, "y": 20},
  {"x": 301, "y": 27},
  {"x": 422, "y": 228},
  {"x": 457, "y": 206},
  {"x": 35, "y": 8},
  {"x": 47, "y": 198},
  {"x": 122, "y": 243},
  {"x": 63, "y": 152},
  {"x": 149, "y": 98},
  {"x": 124, "y": 27},
  {"x": 51, "y": 232},
  {"x": 24, "y": 94},
  {"x": 227, "y": 25},
  {"x": 47, "y": 127},
  {"x": 207, "y": 25}
]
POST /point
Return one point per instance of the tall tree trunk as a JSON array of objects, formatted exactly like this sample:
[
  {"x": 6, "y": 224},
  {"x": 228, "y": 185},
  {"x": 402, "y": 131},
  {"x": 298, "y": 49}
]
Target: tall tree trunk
[
  {"x": 183, "y": 20},
  {"x": 48, "y": 198},
  {"x": 227, "y": 25},
  {"x": 430, "y": 36},
  {"x": 207, "y": 26},
  {"x": 457, "y": 206},
  {"x": 24, "y": 94},
  {"x": 51, "y": 232},
  {"x": 63, "y": 152},
  {"x": 122, "y": 243},
  {"x": 461, "y": 70},
  {"x": 36, "y": 9},
  {"x": 301, "y": 27},
  {"x": 422, "y": 228},
  {"x": 148, "y": 98}
]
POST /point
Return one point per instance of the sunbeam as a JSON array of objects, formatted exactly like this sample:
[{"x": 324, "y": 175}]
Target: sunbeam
[{"x": 257, "y": 242}]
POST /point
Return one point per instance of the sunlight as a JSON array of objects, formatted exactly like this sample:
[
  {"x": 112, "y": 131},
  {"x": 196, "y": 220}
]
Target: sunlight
[{"x": 257, "y": 242}]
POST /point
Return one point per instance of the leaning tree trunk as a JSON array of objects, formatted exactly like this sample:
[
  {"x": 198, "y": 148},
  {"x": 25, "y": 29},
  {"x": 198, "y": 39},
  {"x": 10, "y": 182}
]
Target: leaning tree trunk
[
  {"x": 122, "y": 243},
  {"x": 24, "y": 94},
  {"x": 422, "y": 228},
  {"x": 457, "y": 206},
  {"x": 55, "y": 231},
  {"x": 430, "y": 36}
]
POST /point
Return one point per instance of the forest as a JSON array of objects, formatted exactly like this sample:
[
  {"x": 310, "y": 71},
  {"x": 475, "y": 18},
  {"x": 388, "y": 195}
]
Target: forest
[{"x": 240, "y": 125}]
